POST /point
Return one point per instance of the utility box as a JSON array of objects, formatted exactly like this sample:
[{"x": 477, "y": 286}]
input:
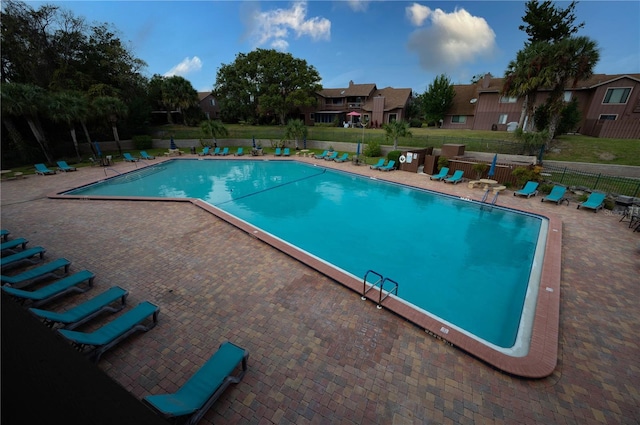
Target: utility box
[
  {"x": 431, "y": 164},
  {"x": 411, "y": 160},
  {"x": 451, "y": 150}
]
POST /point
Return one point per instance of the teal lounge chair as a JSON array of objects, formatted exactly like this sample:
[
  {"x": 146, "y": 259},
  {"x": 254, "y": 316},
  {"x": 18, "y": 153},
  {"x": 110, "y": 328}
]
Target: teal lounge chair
[
  {"x": 322, "y": 155},
  {"x": 26, "y": 255},
  {"x": 24, "y": 279},
  {"x": 331, "y": 156},
  {"x": 379, "y": 164},
  {"x": 205, "y": 151},
  {"x": 286, "y": 152},
  {"x": 53, "y": 290},
  {"x": 343, "y": 158},
  {"x": 441, "y": 175},
  {"x": 594, "y": 202},
  {"x": 455, "y": 178},
  {"x": 95, "y": 344},
  {"x": 530, "y": 189},
  {"x": 4, "y": 234},
  {"x": 13, "y": 244},
  {"x": 216, "y": 151},
  {"x": 239, "y": 152},
  {"x": 43, "y": 170},
  {"x": 127, "y": 157},
  {"x": 556, "y": 195},
  {"x": 145, "y": 155},
  {"x": 391, "y": 165},
  {"x": 200, "y": 392},
  {"x": 278, "y": 152},
  {"x": 86, "y": 311},
  {"x": 63, "y": 166}
]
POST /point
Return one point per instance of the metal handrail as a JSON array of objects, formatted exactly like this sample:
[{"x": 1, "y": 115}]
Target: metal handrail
[
  {"x": 395, "y": 291},
  {"x": 364, "y": 283}
]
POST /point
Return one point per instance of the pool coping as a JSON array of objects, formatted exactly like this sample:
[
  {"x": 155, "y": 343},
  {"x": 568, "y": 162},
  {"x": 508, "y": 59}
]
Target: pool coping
[{"x": 540, "y": 361}]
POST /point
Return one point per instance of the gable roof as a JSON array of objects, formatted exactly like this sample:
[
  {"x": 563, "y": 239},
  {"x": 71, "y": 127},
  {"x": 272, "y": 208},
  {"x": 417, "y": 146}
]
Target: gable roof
[
  {"x": 393, "y": 98},
  {"x": 202, "y": 95},
  {"x": 354, "y": 90}
]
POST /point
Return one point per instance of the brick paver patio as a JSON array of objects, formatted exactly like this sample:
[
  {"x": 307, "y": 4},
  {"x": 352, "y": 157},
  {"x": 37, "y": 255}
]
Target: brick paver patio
[{"x": 318, "y": 354}]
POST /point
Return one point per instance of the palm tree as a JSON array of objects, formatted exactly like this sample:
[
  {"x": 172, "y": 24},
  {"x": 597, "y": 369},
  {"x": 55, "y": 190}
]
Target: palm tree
[
  {"x": 525, "y": 76},
  {"x": 111, "y": 108},
  {"x": 573, "y": 59},
  {"x": 68, "y": 108},
  {"x": 25, "y": 100},
  {"x": 10, "y": 109},
  {"x": 296, "y": 130},
  {"x": 177, "y": 94},
  {"x": 396, "y": 129},
  {"x": 214, "y": 129}
]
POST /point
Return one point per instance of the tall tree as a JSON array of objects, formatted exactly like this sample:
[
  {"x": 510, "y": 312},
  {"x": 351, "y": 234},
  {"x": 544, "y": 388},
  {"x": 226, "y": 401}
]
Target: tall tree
[
  {"x": 177, "y": 94},
  {"x": 534, "y": 67},
  {"x": 111, "y": 109},
  {"x": 547, "y": 22},
  {"x": 68, "y": 108},
  {"x": 395, "y": 130},
  {"x": 438, "y": 98},
  {"x": 268, "y": 83},
  {"x": 26, "y": 101}
]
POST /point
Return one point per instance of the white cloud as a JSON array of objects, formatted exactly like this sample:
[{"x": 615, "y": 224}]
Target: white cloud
[
  {"x": 275, "y": 26},
  {"x": 358, "y": 5},
  {"x": 187, "y": 66},
  {"x": 417, "y": 13},
  {"x": 451, "y": 40}
]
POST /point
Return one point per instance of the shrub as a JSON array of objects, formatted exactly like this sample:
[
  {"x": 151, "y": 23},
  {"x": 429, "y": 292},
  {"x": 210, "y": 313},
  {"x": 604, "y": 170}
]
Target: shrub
[
  {"x": 373, "y": 149},
  {"x": 523, "y": 175},
  {"x": 545, "y": 188},
  {"x": 394, "y": 155},
  {"x": 415, "y": 123},
  {"x": 479, "y": 168},
  {"x": 443, "y": 161},
  {"x": 142, "y": 142}
]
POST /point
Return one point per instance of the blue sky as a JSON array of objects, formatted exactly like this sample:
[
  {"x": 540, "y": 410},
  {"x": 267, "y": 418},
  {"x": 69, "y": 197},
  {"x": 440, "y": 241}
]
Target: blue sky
[{"x": 390, "y": 43}]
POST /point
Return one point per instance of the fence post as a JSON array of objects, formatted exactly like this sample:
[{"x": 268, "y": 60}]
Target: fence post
[
  {"x": 595, "y": 185},
  {"x": 635, "y": 194},
  {"x": 563, "y": 173}
]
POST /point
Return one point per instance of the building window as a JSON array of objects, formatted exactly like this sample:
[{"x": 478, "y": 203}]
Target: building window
[
  {"x": 508, "y": 99},
  {"x": 213, "y": 102},
  {"x": 393, "y": 117},
  {"x": 618, "y": 95},
  {"x": 608, "y": 117},
  {"x": 502, "y": 119},
  {"x": 567, "y": 96},
  {"x": 312, "y": 116},
  {"x": 459, "y": 119}
]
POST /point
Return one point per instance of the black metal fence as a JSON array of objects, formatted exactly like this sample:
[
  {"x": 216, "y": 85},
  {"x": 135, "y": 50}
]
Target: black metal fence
[{"x": 593, "y": 181}]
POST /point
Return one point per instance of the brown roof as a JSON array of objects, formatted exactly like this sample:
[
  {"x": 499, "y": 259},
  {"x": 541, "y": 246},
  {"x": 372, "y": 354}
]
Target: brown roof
[
  {"x": 495, "y": 84},
  {"x": 393, "y": 98},
  {"x": 203, "y": 95},
  {"x": 362, "y": 90},
  {"x": 462, "y": 101}
]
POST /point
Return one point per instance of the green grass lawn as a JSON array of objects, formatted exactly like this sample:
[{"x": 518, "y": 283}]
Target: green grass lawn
[{"x": 576, "y": 148}]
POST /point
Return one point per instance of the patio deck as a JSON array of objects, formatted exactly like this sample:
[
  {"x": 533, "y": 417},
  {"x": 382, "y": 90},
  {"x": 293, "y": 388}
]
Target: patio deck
[{"x": 318, "y": 353}]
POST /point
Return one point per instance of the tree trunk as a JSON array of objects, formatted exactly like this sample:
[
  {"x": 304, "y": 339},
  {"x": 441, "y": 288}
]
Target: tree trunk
[
  {"x": 116, "y": 137},
  {"x": 86, "y": 134},
  {"x": 17, "y": 139},
  {"x": 44, "y": 145},
  {"x": 72, "y": 130},
  {"x": 523, "y": 112}
]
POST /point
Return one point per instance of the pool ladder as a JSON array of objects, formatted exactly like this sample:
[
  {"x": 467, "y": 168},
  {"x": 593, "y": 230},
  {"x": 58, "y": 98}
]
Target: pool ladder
[
  {"x": 380, "y": 284},
  {"x": 486, "y": 195}
]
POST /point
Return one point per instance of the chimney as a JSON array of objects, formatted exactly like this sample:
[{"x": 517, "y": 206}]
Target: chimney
[
  {"x": 486, "y": 80},
  {"x": 350, "y": 83}
]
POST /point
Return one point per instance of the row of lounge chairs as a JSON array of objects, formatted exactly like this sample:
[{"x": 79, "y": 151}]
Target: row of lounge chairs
[
  {"x": 220, "y": 151},
  {"x": 333, "y": 156},
  {"x": 43, "y": 170},
  {"x": 443, "y": 176},
  {"x": 282, "y": 152},
  {"x": 190, "y": 402}
]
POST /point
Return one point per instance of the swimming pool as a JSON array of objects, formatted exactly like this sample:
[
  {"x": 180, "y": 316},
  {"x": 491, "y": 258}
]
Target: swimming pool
[{"x": 440, "y": 249}]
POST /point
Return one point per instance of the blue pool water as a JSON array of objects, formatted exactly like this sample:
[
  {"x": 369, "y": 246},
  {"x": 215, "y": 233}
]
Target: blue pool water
[{"x": 470, "y": 266}]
